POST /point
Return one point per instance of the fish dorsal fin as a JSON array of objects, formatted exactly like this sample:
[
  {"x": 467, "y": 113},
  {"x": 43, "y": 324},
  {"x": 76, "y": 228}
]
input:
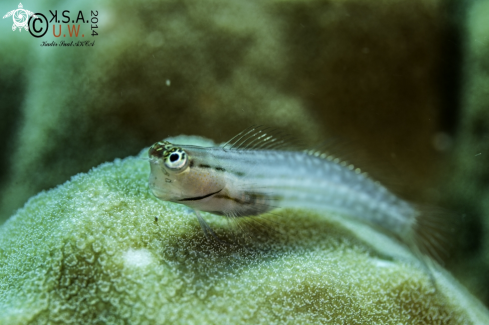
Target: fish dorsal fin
[
  {"x": 336, "y": 160},
  {"x": 261, "y": 138},
  {"x": 258, "y": 137}
]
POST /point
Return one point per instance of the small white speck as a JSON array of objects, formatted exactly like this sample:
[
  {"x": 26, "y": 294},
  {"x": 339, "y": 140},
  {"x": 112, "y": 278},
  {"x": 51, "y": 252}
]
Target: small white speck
[
  {"x": 138, "y": 258},
  {"x": 382, "y": 263},
  {"x": 480, "y": 153},
  {"x": 168, "y": 82}
]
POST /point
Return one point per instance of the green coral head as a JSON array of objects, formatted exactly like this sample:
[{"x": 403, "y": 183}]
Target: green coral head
[{"x": 173, "y": 157}]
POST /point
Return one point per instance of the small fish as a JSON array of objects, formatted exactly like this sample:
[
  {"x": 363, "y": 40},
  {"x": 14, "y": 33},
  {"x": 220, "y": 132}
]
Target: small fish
[{"x": 251, "y": 174}]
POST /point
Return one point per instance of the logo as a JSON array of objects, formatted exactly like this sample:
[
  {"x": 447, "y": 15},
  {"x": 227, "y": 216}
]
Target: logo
[
  {"x": 70, "y": 28},
  {"x": 33, "y": 28},
  {"x": 20, "y": 17}
]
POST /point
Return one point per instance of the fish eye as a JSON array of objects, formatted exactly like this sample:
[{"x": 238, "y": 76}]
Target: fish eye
[{"x": 176, "y": 160}]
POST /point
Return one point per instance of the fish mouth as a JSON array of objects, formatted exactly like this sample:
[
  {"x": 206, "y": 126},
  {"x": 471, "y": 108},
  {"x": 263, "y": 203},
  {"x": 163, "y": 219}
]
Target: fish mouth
[{"x": 197, "y": 198}]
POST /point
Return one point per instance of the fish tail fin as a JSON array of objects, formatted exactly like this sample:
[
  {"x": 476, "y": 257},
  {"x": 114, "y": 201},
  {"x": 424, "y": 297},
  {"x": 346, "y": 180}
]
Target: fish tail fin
[
  {"x": 432, "y": 231},
  {"x": 429, "y": 237}
]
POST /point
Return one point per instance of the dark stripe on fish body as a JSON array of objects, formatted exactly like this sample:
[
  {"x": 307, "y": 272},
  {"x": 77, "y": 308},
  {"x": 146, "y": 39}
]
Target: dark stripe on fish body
[{"x": 216, "y": 168}]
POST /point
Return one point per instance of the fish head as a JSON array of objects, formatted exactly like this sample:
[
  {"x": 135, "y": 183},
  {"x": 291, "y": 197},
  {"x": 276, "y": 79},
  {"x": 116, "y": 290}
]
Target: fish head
[
  {"x": 178, "y": 173},
  {"x": 169, "y": 165}
]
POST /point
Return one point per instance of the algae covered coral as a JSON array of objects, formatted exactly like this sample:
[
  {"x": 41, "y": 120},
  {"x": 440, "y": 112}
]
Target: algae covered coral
[{"x": 90, "y": 251}]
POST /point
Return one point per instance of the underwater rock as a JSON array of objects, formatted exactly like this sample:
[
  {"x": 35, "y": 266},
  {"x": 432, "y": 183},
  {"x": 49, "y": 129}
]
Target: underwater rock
[{"x": 90, "y": 251}]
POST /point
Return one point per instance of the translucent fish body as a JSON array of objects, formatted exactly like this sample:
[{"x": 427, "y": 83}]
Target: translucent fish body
[{"x": 236, "y": 182}]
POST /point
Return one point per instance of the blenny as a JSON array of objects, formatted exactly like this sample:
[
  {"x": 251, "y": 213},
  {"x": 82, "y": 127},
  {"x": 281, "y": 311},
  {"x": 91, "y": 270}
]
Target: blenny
[{"x": 252, "y": 174}]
